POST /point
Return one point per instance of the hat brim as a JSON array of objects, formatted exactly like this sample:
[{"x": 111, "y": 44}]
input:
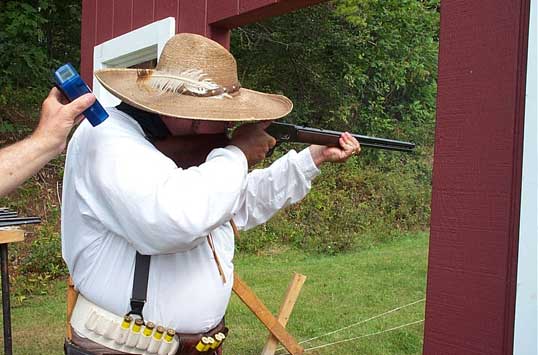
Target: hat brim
[{"x": 245, "y": 105}]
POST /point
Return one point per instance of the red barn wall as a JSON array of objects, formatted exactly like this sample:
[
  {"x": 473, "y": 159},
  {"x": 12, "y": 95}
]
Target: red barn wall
[
  {"x": 106, "y": 19},
  {"x": 476, "y": 177},
  {"x": 477, "y": 164}
]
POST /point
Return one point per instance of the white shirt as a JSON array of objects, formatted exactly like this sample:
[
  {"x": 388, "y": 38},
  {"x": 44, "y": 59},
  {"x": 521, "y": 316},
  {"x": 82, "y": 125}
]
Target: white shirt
[{"x": 120, "y": 194}]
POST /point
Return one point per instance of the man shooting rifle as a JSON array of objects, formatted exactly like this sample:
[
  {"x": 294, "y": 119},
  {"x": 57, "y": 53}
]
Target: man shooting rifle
[{"x": 149, "y": 205}]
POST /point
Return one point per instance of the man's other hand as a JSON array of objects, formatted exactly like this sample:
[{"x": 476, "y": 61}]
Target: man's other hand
[
  {"x": 253, "y": 141},
  {"x": 348, "y": 147},
  {"x": 58, "y": 116}
]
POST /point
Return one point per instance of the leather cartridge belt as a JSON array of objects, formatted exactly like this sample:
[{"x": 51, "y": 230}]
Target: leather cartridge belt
[{"x": 97, "y": 331}]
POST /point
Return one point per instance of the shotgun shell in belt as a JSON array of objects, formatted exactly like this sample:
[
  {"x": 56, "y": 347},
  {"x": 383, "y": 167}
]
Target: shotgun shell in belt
[
  {"x": 126, "y": 322},
  {"x": 123, "y": 332},
  {"x": 148, "y": 329},
  {"x": 202, "y": 344},
  {"x": 166, "y": 345},
  {"x": 145, "y": 336},
  {"x": 156, "y": 340},
  {"x": 211, "y": 343},
  {"x": 134, "y": 334},
  {"x": 158, "y": 333},
  {"x": 138, "y": 325},
  {"x": 169, "y": 335},
  {"x": 219, "y": 337}
]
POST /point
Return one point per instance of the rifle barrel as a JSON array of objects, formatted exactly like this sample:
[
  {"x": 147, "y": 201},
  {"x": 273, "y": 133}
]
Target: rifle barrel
[{"x": 300, "y": 134}]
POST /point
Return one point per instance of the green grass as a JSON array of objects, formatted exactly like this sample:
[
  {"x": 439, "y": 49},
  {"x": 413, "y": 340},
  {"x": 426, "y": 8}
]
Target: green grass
[{"x": 339, "y": 291}]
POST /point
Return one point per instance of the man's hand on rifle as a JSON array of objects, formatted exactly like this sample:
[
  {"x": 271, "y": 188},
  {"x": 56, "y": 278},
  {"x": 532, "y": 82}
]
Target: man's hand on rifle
[
  {"x": 348, "y": 147},
  {"x": 253, "y": 141}
]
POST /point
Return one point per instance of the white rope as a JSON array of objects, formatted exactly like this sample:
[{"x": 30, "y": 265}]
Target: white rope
[
  {"x": 359, "y": 337},
  {"x": 360, "y": 322},
  {"x": 364, "y": 336}
]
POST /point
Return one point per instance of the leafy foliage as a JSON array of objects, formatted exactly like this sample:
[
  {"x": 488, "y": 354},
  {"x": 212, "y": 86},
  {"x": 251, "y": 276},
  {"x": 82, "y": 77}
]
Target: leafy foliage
[
  {"x": 35, "y": 37},
  {"x": 361, "y": 65},
  {"x": 352, "y": 206},
  {"x": 366, "y": 66}
]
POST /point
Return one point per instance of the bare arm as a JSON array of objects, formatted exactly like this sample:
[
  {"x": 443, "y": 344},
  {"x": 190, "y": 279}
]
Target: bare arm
[{"x": 23, "y": 159}]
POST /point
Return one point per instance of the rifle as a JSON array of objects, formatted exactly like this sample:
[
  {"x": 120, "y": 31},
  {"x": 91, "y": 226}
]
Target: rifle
[
  {"x": 285, "y": 132},
  {"x": 192, "y": 150}
]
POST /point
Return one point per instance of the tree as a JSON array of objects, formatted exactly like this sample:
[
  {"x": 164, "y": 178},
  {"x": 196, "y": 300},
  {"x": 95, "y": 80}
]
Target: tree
[
  {"x": 363, "y": 65},
  {"x": 35, "y": 37}
]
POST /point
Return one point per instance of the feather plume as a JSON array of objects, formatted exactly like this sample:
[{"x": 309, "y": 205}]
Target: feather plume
[{"x": 191, "y": 80}]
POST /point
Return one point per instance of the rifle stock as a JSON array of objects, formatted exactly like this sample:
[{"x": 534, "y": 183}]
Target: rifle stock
[{"x": 284, "y": 132}]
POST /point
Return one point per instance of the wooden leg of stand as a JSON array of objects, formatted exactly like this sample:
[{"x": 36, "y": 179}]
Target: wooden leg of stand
[
  {"x": 257, "y": 307},
  {"x": 72, "y": 295},
  {"x": 284, "y": 313},
  {"x": 6, "y": 307}
]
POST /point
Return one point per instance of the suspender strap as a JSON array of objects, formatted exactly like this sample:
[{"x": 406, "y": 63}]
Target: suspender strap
[
  {"x": 154, "y": 128},
  {"x": 140, "y": 284}
]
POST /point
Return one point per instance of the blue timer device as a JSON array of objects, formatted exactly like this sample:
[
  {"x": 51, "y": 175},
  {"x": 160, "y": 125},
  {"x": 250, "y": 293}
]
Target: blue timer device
[{"x": 72, "y": 86}]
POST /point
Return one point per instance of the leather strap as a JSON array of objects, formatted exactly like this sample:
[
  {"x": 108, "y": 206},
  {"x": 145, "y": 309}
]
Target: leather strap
[
  {"x": 154, "y": 129},
  {"x": 140, "y": 284}
]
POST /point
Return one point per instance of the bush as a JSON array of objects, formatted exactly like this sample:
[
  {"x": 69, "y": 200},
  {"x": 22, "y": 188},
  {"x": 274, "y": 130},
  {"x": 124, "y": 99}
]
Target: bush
[{"x": 352, "y": 205}]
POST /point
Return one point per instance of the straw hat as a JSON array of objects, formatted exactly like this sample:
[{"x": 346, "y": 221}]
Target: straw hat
[{"x": 195, "y": 78}]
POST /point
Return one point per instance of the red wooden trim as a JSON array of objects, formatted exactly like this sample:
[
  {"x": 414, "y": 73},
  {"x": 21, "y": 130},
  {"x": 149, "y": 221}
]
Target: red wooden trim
[
  {"x": 477, "y": 177},
  {"x": 104, "y": 20},
  {"x": 250, "y": 13},
  {"x": 192, "y": 16},
  {"x": 142, "y": 13},
  {"x": 249, "y": 5},
  {"x": 87, "y": 40},
  {"x": 521, "y": 85},
  {"x": 166, "y": 8},
  {"x": 123, "y": 17},
  {"x": 219, "y": 9},
  {"x": 221, "y": 35}
]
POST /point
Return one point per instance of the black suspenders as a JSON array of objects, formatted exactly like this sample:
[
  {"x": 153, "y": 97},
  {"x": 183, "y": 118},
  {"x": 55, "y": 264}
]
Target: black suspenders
[{"x": 154, "y": 128}]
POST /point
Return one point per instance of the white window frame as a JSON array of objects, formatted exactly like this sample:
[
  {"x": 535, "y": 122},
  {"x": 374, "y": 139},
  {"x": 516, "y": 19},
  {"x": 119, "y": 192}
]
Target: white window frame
[{"x": 138, "y": 46}]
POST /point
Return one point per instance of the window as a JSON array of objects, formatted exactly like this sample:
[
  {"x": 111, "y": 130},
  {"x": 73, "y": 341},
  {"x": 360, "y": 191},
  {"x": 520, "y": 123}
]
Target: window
[{"x": 142, "y": 45}]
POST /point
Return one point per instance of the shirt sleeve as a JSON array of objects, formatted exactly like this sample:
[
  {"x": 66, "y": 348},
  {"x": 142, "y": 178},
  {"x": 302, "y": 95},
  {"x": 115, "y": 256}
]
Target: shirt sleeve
[
  {"x": 141, "y": 195},
  {"x": 268, "y": 190}
]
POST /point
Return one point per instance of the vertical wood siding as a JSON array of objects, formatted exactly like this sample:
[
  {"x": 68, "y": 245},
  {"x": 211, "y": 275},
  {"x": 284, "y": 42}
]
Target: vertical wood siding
[
  {"x": 477, "y": 165},
  {"x": 105, "y": 19},
  {"x": 476, "y": 177},
  {"x": 123, "y": 17}
]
